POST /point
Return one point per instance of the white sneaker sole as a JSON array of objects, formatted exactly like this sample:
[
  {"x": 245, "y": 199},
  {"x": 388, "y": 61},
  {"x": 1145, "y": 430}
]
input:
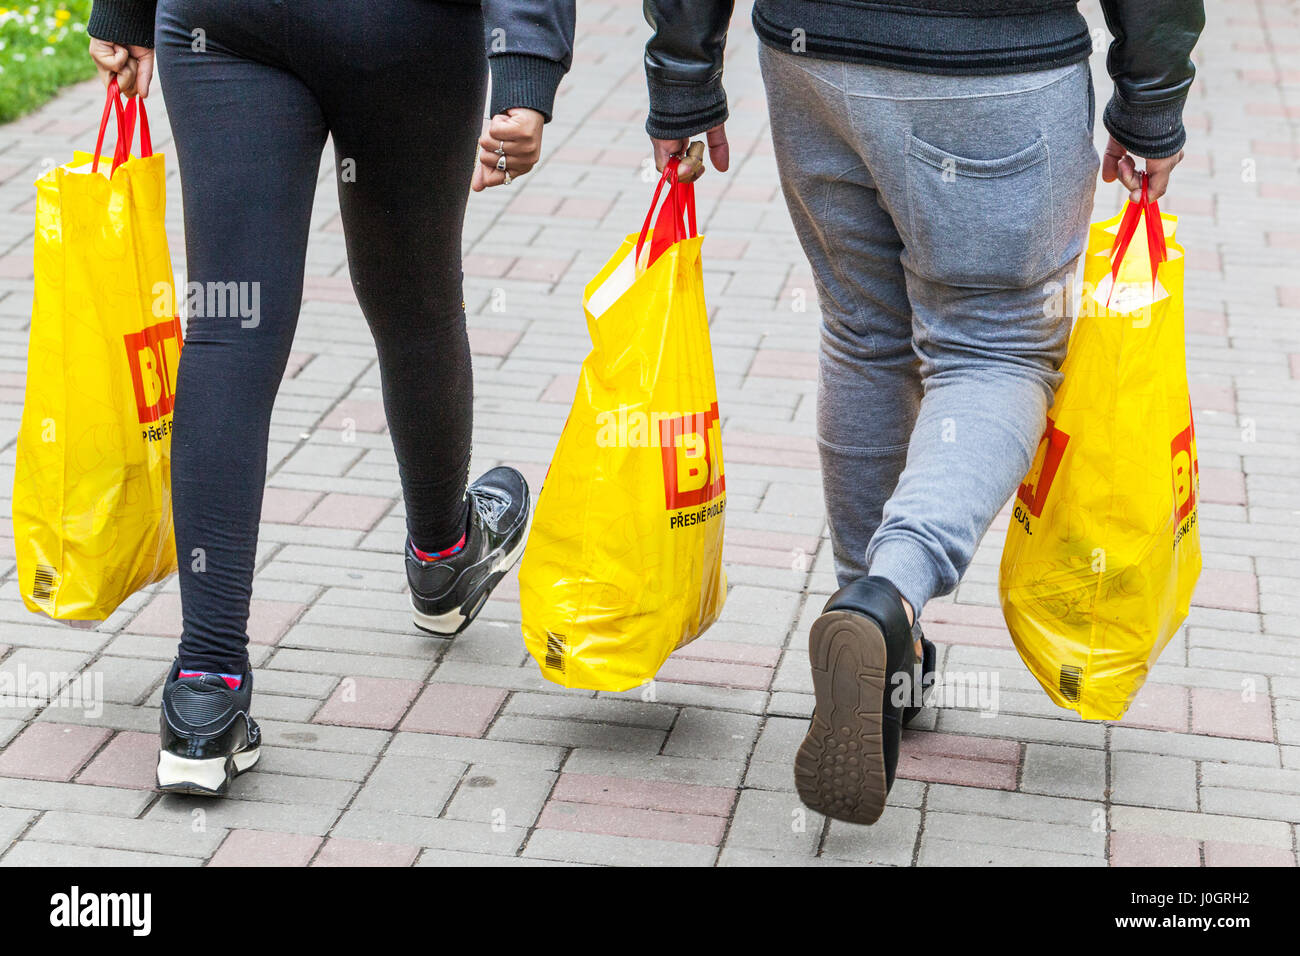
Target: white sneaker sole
[
  {"x": 208, "y": 777},
  {"x": 451, "y": 623}
]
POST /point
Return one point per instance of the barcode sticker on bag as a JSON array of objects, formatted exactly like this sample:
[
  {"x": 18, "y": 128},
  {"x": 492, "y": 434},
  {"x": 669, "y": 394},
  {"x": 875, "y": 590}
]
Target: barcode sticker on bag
[
  {"x": 555, "y": 651},
  {"x": 1071, "y": 680},
  {"x": 43, "y": 584}
]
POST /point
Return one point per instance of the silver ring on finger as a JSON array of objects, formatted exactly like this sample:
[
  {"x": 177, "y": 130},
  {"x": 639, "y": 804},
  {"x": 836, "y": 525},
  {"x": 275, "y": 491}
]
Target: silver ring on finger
[
  {"x": 501, "y": 162},
  {"x": 501, "y": 148},
  {"x": 506, "y": 182}
]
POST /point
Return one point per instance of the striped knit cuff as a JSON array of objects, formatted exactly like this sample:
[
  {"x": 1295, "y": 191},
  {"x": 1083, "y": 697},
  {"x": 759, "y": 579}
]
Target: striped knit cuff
[
  {"x": 679, "y": 110},
  {"x": 1151, "y": 132}
]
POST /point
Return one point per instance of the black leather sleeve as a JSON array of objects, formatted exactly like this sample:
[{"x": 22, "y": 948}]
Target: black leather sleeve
[
  {"x": 1150, "y": 62},
  {"x": 683, "y": 66},
  {"x": 530, "y": 48}
]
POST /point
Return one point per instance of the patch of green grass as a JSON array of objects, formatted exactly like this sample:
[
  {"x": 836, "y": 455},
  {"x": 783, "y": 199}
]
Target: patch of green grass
[{"x": 42, "y": 47}]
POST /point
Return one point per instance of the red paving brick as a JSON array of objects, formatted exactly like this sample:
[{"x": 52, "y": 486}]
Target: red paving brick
[
  {"x": 644, "y": 794},
  {"x": 1225, "y": 713},
  {"x": 50, "y": 751},
  {"x": 338, "y": 851},
  {"x": 1150, "y": 849},
  {"x": 1159, "y": 707},
  {"x": 265, "y": 848},
  {"x": 129, "y": 760},
  {"x": 629, "y": 822},
  {"x": 461, "y": 710},
  {"x": 1240, "y": 854},
  {"x": 368, "y": 702}
]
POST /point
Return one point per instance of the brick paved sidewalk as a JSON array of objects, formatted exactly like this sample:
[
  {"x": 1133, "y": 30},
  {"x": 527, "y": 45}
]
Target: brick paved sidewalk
[{"x": 386, "y": 746}]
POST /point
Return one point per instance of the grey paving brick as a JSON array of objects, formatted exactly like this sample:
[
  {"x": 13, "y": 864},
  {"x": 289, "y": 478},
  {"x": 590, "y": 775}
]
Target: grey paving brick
[
  {"x": 146, "y": 836},
  {"x": 1148, "y": 780},
  {"x": 357, "y": 740},
  {"x": 1027, "y": 834},
  {"x": 13, "y": 822},
  {"x": 47, "y": 795},
  {"x": 568, "y": 706},
  {"x": 1250, "y": 752},
  {"x": 1202, "y": 826},
  {"x": 937, "y": 852},
  {"x": 469, "y": 750},
  {"x": 615, "y": 851},
  {"x": 236, "y": 813},
  {"x": 703, "y": 733},
  {"x": 1064, "y": 771},
  {"x": 765, "y": 820},
  {"x": 442, "y": 834},
  {"x": 1262, "y": 804},
  {"x": 457, "y": 858},
  {"x": 698, "y": 770},
  {"x": 500, "y": 794},
  {"x": 33, "y": 853},
  {"x": 575, "y": 733},
  {"x": 411, "y": 785}
]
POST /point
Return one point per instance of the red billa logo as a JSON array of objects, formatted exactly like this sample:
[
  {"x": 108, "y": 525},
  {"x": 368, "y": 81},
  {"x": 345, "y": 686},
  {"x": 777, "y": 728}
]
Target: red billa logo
[
  {"x": 1032, "y": 493},
  {"x": 691, "y": 446},
  {"x": 152, "y": 354},
  {"x": 1182, "y": 452}
]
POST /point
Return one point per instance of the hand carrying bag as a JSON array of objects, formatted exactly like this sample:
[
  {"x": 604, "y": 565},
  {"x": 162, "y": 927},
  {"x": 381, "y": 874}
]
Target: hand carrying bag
[
  {"x": 92, "y": 483},
  {"x": 624, "y": 561},
  {"x": 1103, "y": 552}
]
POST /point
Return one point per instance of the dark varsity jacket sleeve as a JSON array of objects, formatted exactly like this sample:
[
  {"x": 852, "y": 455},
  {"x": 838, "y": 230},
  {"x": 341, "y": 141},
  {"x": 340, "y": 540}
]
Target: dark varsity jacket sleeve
[
  {"x": 128, "y": 22},
  {"x": 1150, "y": 62},
  {"x": 683, "y": 66},
  {"x": 530, "y": 48}
]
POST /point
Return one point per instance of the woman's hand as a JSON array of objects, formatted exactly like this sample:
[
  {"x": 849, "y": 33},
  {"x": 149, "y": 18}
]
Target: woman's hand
[
  {"x": 132, "y": 64},
  {"x": 518, "y": 131}
]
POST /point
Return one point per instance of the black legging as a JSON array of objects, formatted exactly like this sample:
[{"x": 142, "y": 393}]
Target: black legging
[{"x": 400, "y": 86}]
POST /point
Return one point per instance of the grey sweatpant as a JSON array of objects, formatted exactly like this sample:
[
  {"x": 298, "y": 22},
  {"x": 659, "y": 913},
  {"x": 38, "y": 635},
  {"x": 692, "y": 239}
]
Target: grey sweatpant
[{"x": 943, "y": 217}]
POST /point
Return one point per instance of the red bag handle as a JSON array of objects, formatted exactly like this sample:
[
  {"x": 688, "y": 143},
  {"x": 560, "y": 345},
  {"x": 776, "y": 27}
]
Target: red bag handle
[
  {"x": 1149, "y": 211},
  {"x": 125, "y": 128},
  {"x": 680, "y": 198}
]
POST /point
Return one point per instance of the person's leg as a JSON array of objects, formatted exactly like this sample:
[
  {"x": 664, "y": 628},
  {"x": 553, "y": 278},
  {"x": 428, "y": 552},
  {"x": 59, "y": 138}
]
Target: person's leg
[
  {"x": 405, "y": 125},
  {"x": 248, "y": 137},
  {"x": 869, "y": 383},
  {"x": 868, "y": 394},
  {"x": 991, "y": 180}
]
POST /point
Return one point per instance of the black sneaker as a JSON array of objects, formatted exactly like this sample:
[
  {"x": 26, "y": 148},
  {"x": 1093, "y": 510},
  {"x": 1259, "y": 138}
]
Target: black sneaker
[
  {"x": 447, "y": 594},
  {"x": 208, "y": 738},
  {"x": 845, "y": 766}
]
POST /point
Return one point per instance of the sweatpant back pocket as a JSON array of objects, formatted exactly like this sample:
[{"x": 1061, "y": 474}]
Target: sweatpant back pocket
[{"x": 980, "y": 222}]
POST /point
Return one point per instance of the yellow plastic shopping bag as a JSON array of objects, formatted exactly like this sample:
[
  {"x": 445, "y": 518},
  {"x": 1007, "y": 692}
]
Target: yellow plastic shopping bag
[
  {"x": 624, "y": 561},
  {"x": 1103, "y": 551},
  {"x": 92, "y": 485}
]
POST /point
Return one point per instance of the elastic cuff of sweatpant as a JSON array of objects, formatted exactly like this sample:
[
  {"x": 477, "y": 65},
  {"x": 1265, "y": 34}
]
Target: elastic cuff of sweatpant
[
  {"x": 908, "y": 566},
  {"x": 122, "y": 22},
  {"x": 1151, "y": 132},
  {"x": 680, "y": 110},
  {"x": 520, "y": 79}
]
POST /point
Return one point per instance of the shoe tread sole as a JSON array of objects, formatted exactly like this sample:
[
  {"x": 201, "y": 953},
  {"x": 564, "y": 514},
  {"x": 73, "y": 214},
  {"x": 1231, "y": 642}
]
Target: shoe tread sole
[{"x": 840, "y": 766}]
